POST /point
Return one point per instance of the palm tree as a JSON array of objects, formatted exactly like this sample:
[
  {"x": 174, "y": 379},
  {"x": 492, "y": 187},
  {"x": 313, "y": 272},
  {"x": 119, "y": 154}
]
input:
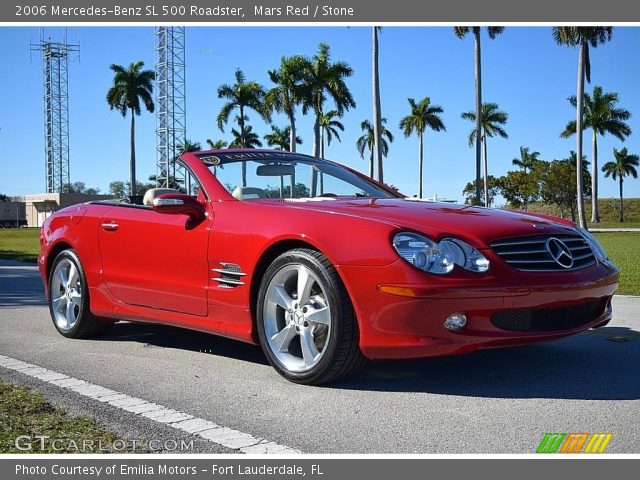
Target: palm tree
[
  {"x": 602, "y": 116},
  {"x": 422, "y": 115},
  {"x": 188, "y": 146},
  {"x": 490, "y": 125},
  {"x": 251, "y": 140},
  {"x": 329, "y": 129},
  {"x": 280, "y": 138},
  {"x": 288, "y": 91},
  {"x": 377, "y": 153},
  {"x": 527, "y": 159},
  {"x": 625, "y": 164},
  {"x": 242, "y": 95},
  {"x": 131, "y": 87},
  {"x": 217, "y": 145},
  {"x": 323, "y": 78},
  {"x": 367, "y": 142},
  {"x": 581, "y": 37},
  {"x": 462, "y": 32}
]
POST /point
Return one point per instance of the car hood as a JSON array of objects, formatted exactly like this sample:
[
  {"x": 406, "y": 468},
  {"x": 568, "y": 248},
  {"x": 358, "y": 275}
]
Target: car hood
[{"x": 480, "y": 225}]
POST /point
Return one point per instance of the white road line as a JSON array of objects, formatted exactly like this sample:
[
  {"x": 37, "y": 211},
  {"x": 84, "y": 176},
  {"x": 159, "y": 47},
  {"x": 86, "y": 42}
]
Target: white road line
[{"x": 227, "y": 437}]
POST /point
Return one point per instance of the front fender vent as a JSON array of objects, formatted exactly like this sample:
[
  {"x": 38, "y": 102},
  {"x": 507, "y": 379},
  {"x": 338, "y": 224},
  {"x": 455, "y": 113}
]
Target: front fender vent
[{"x": 230, "y": 275}]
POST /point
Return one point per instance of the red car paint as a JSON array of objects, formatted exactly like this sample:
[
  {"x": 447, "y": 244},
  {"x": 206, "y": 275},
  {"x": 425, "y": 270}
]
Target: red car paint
[{"x": 151, "y": 268}]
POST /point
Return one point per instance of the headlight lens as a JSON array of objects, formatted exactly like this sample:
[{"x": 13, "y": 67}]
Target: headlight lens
[
  {"x": 597, "y": 249},
  {"x": 440, "y": 257},
  {"x": 467, "y": 256}
]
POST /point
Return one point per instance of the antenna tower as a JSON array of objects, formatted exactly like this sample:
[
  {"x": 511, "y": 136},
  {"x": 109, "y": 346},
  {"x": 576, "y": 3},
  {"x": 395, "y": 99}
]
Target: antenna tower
[
  {"x": 171, "y": 105},
  {"x": 55, "y": 59}
]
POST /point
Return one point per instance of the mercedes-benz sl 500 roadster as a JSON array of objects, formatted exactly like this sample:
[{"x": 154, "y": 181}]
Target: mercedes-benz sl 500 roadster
[{"x": 320, "y": 265}]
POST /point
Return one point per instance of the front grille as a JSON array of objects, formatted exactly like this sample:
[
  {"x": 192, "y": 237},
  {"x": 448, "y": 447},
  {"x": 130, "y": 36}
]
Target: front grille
[
  {"x": 530, "y": 254},
  {"x": 549, "y": 319}
]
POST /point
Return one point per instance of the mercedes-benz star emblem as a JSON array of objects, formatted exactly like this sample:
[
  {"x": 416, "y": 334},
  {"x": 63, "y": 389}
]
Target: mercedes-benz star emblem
[{"x": 560, "y": 252}]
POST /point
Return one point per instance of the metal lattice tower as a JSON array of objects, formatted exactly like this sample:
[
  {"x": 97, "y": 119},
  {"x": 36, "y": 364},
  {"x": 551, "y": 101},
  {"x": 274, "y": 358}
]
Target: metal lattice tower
[
  {"x": 170, "y": 104},
  {"x": 55, "y": 59}
]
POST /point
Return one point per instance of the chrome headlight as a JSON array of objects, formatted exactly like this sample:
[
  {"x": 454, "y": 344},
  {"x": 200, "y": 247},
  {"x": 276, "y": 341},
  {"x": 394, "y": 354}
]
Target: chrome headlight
[
  {"x": 596, "y": 248},
  {"x": 438, "y": 257}
]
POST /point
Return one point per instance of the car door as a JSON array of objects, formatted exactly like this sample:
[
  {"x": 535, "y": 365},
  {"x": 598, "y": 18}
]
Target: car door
[{"x": 151, "y": 259}]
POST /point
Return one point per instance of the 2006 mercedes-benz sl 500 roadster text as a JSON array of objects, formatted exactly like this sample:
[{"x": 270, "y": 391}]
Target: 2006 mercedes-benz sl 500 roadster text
[{"x": 321, "y": 266}]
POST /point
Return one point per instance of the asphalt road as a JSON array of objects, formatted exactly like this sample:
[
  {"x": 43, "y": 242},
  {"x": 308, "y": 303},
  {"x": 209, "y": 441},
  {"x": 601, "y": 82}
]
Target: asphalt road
[{"x": 495, "y": 401}]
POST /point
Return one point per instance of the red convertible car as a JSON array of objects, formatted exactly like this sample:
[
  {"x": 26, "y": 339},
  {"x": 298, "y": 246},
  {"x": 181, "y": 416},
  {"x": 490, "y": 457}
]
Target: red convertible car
[{"x": 321, "y": 266}]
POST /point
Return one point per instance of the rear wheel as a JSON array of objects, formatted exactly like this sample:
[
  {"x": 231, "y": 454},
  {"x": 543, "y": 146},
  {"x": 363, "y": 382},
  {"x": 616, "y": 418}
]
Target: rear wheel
[
  {"x": 69, "y": 299},
  {"x": 305, "y": 320}
]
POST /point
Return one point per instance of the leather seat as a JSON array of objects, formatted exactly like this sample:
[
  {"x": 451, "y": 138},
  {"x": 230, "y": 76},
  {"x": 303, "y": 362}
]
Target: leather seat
[
  {"x": 152, "y": 193},
  {"x": 246, "y": 193}
]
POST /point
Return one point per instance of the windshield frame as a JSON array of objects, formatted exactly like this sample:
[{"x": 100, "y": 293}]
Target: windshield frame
[{"x": 373, "y": 188}]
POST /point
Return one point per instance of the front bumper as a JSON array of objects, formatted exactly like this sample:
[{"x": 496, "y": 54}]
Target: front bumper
[{"x": 410, "y": 323}]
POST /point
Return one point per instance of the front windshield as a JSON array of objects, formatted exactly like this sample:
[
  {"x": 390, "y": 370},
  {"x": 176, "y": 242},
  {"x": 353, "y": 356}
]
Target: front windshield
[{"x": 287, "y": 176}]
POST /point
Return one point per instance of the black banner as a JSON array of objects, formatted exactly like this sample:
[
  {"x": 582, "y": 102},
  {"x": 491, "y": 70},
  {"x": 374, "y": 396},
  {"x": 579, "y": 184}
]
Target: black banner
[
  {"x": 311, "y": 469},
  {"x": 313, "y": 11}
]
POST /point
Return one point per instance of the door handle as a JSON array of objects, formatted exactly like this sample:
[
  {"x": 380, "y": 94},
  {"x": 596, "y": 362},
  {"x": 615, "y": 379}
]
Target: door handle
[{"x": 110, "y": 227}]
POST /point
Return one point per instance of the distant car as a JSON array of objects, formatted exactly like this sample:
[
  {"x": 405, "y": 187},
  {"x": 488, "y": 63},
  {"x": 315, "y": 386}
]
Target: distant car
[{"x": 320, "y": 265}]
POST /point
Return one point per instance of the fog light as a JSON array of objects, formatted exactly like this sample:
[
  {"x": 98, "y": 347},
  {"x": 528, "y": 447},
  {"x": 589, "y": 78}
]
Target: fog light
[{"x": 455, "y": 321}]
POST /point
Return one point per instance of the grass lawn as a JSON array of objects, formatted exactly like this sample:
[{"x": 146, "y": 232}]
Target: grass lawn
[
  {"x": 20, "y": 244},
  {"x": 25, "y": 412},
  {"x": 609, "y": 212},
  {"x": 623, "y": 248},
  {"x": 613, "y": 225}
]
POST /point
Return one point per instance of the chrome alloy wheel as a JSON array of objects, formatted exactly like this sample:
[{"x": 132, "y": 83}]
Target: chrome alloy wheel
[
  {"x": 66, "y": 295},
  {"x": 297, "y": 318}
]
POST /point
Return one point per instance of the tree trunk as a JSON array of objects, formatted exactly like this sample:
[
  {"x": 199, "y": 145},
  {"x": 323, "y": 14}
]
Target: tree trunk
[
  {"x": 478, "y": 74},
  {"x": 595, "y": 216},
  {"x": 243, "y": 144},
  {"x": 132, "y": 164},
  {"x": 316, "y": 152},
  {"x": 486, "y": 172},
  {"x": 582, "y": 221},
  {"x": 320, "y": 175},
  {"x": 420, "y": 165},
  {"x": 377, "y": 116},
  {"x": 292, "y": 134},
  {"x": 316, "y": 135},
  {"x": 621, "y": 203},
  {"x": 371, "y": 163},
  {"x": 241, "y": 125}
]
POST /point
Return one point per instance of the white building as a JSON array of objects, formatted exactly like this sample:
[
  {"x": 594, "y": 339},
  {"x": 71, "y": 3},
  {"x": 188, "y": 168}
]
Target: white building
[{"x": 38, "y": 207}]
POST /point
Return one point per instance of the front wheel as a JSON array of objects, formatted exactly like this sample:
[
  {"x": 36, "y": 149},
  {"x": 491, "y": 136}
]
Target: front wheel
[
  {"x": 69, "y": 299},
  {"x": 305, "y": 320}
]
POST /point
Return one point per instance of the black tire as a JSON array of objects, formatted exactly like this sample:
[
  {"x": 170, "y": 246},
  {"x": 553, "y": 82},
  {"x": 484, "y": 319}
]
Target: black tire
[
  {"x": 341, "y": 354},
  {"x": 86, "y": 325}
]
